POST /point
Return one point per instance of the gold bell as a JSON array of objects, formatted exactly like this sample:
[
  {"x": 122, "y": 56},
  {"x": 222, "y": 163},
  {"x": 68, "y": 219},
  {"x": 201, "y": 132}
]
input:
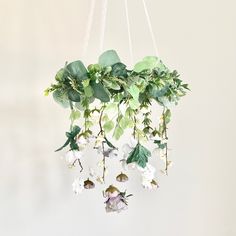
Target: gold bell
[
  {"x": 112, "y": 189},
  {"x": 154, "y": 184},
  {"x": 88, "y": 184},
  {"x": 122, "y": 177}
]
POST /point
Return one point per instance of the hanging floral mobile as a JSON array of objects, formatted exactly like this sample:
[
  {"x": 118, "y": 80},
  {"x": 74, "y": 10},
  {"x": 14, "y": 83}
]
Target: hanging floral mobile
[{"x": 106, "y": 100}]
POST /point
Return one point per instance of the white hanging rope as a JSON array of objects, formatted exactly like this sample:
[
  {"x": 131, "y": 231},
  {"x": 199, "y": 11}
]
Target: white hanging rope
[
  {"x": 89, "y": 27},
  {"x": 103, "y": 24},
  {"x": 150, "y": 27},
  {"x": 129, "y": 33}
]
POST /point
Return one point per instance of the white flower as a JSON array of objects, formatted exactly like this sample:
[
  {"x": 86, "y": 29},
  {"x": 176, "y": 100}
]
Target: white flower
[
  {"x": 148, "y": 172},
  {"x": 146, "y": 183},
  {"x": 83, "y": 142},
  {"x": 78, "y": 185},
  {"x": 98, "y": 142},
  {"x": 72, "y": 155},
  {"x": 128, "y": 147}
]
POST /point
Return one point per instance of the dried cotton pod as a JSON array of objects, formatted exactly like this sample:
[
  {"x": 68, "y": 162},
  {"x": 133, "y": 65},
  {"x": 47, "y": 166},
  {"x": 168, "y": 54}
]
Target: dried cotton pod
[
  {"x": 122, "y": 177},
  {"x": 88, "y": 184},
  {"x": 154, "y": 184}
]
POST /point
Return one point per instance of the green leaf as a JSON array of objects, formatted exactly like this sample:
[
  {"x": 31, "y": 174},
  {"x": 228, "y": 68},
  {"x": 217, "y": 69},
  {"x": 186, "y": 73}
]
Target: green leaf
[
  {"x": 61, "y": 98},
  {"x": 148, "y": 63},
  {"x": 134, "y": 91},
  {"x": 73, "y": 95},
  {"x": 134, "y": 104},
  {"x": 110, "y": 144},
  {"x": 139, "y": 155},
  {"x": 119, "y": 70},
  {"x": 88, "y": 91},
  {"x": 60, "y": 76},
  {"x": 126, "y": 122},
  {"x": 118, "y": 132},
  {"x": 108, "y": 126},
  {"x": 159, "y": 144},
  {"x": 108, "y": 58},
  {"x": 111, "y": 84},
  {"x": 77, "y": 70},
  {"x": 74, "y": 115},
  {"x": 167, "y": 116},
  {"x": 100, "y": 92},
  {"x": 111, "y": 107},
  {"x": 71, "y": 138}
]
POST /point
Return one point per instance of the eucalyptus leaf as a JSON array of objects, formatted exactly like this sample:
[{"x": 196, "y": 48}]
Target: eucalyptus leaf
[
  {"x": 77, "y": 70},
  {"x": 134, "y": 104},
  {"x": 73, "y": 95},
  {"x": 108, "y": 58},
  {"x": 148, "y": 63},
  {"x": 61, "y": 98},
  {"x": 119, "y": 70},
  {"x": 100, "y": 92},
  {"x": 134, "y": 91}
]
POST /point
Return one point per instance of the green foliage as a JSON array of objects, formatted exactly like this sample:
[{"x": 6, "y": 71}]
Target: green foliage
[
  {"x": 77, "y": 70},
  {"x": 100, "y": 92},
  {"x": 61, "y": 98},
  {"x": 139, "y": 155},
  {"x": 109, "y": 85},
  {"x": 108, "y": 58},
  {"x": 71, "y": 139}
]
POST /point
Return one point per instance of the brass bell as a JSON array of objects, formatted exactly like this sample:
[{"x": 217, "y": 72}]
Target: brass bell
[
  {"x": 88, "y": 184},
  {"x": 154, "y": 184},
  {"x": 122, "y": 177},
  {"x": 112, "y": 189}
]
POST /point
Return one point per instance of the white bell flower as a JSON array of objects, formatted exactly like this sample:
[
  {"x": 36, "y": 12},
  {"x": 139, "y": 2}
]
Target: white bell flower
[
  {"x": 78, "y": 185},
  {"x": 72, "y": 155}
]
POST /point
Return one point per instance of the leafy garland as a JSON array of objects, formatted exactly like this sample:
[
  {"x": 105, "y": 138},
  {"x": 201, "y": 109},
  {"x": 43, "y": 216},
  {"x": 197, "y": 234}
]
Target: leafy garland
[{"x": 114, "y": 98}]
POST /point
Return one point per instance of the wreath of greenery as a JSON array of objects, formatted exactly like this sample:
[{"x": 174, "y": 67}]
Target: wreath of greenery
[{"x": 129, "y": 94}]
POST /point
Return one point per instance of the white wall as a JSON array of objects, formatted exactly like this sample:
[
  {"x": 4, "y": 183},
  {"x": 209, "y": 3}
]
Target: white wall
[{"x": 197, "y": 198}]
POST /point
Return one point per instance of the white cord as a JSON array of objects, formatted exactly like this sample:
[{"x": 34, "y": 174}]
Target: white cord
[
  {"x": 89, "y": 27},
  {"x": 150, "y": 27},
  {"x": 103, "y": 25},
  {"x": 129, "y": 32}
]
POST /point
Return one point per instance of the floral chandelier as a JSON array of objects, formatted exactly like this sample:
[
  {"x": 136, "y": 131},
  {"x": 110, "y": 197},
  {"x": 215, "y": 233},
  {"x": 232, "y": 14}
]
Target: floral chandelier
[{"x": 108, "y": 100}]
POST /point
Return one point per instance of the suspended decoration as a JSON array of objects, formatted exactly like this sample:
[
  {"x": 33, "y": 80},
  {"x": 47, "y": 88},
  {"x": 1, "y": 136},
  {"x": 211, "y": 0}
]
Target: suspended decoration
[{"x": 108, "y": 100}]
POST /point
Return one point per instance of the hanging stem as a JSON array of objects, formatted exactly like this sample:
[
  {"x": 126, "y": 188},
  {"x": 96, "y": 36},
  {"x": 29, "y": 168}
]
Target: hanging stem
[
  {"x": 164, "y": 135},
  {"x": 101, "y": 132},
  {"x": 71, "y": 108}
]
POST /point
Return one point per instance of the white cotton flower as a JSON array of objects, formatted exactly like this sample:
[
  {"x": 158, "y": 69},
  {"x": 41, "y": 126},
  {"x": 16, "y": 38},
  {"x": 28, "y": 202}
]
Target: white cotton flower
[
  {"x": 147, "y": 184},
  {"x": 149, "y": 171},
  {"x": 82, "y": 140},
  {"x": 72, "y": 155},
  {"x": 99, "y": 141},
  {"x": 78, "y": 185},
  {"x": 128, "y": 147},
  {"x": 151, "y": 185}
]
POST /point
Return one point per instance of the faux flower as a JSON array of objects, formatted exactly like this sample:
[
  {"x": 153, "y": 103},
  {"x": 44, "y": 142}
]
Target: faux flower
[
  {"x": 128, "y": 147},
  {"x": 110, "y": 152},
  {"x": 78, "y": 185},
  {"x": 83, "y": 142},
  {"x": 116, "y": 201},
  {"x": 72, "y": 156}
]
